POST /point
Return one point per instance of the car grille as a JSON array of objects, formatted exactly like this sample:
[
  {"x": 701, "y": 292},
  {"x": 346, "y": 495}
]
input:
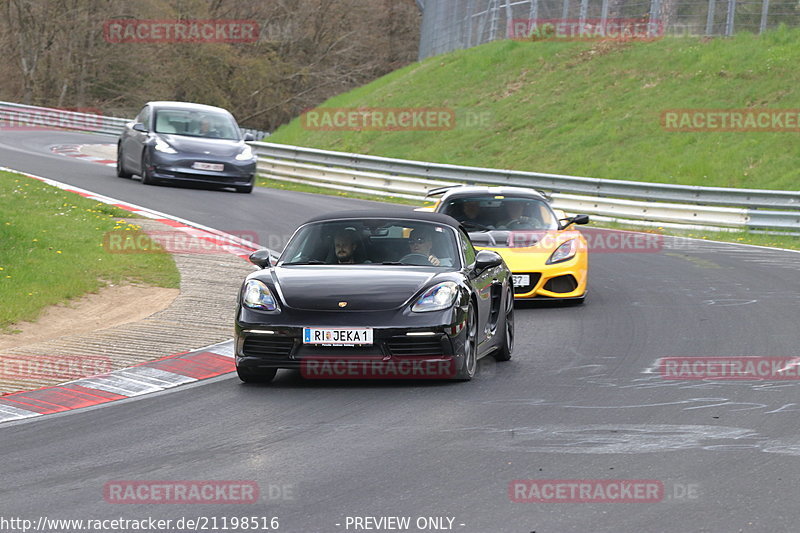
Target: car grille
[
  {"x": 268, "y": 346},
  {"x": 522, "y": 289},
  {"x": 562, "y": 284},
  {"x": 421, "y": 346}
]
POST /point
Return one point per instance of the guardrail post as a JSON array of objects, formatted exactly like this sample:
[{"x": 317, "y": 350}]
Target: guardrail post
[
  {"x": 655, "y": 12},
  {"x": 764, "y": 10},
  {"x": 534, "y": 13},
  {"x": 729, "y": 20},
  {"x": 712, "y": 4}
]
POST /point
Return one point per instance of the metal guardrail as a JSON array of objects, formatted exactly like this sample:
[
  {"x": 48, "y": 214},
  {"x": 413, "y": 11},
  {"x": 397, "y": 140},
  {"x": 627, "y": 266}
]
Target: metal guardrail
[
  {"x": 21, "y": 116},
  {"x": 710, "y": 206},
  {"x": 628, "y": 200}
]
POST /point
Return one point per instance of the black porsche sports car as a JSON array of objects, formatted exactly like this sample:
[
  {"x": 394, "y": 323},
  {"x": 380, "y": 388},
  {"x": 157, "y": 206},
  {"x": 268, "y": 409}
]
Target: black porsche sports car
[{"x": 397, "y": 294}]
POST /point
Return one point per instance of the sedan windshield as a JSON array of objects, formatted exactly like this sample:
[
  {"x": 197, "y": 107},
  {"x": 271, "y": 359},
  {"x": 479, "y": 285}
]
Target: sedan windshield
[
  {"x": 486, "y": 213},
  {"x": 373, "y": 242},
  {"x": 206, "y": 124}
]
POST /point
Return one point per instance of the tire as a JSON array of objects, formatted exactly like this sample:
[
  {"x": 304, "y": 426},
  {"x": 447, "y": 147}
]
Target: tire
[
  {"x": 246, "y": 189},
  {"x": 469, "y": 364},
  {"x": 147, "y": 178},
  {"x": 248, "y": 375},
  {"x": 121, "y": 172},
  {"x": 504, "y": 352}
]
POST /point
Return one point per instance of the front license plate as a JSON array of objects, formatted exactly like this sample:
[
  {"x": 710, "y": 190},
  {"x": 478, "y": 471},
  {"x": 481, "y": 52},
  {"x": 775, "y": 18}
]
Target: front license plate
[
  {"x": 338, "y": 336},
  {"x": 214, "y": 167},
  {"x": 521, "y": 280}
]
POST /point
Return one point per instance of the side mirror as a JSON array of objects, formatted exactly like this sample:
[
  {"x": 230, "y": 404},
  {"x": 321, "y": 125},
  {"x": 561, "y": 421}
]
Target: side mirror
[
  {"x": 261, "y": 258},
  {"x": 487, "y": 259},
  {"x": 139, "y": 127},
  {"x": 577, "y": 219},
  {"x": 248, "y": 137}
]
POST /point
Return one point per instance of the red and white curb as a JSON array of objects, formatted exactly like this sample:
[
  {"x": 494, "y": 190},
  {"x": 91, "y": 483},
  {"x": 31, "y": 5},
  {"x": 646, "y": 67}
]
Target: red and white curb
[
  {"x": 74, "y": 150},
  {"x": 145, "y": 378}
]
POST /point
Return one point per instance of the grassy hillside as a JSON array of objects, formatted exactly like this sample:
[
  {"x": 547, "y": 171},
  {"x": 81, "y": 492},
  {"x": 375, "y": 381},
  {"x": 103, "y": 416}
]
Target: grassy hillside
[{"x": 591, "y": 109}]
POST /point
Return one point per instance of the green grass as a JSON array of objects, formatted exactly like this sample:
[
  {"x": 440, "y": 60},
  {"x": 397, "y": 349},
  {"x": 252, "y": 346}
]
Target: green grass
[
  {"x": 591, "y": 109},
  {"x": 51, "y": 249}
]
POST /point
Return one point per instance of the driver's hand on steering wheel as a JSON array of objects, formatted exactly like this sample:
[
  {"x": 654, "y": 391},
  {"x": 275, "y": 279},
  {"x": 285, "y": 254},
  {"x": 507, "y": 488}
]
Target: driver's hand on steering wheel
[{"x": 434, "y": 260}]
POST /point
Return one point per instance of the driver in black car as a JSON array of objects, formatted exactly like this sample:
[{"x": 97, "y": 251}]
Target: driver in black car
[
  {"x": 345, "y": 244},
  {"x": 420, "y": 242}
]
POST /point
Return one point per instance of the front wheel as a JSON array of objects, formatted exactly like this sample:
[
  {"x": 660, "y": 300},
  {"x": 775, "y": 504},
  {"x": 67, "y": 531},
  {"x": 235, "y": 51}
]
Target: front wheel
[
  {"x": 504, "y": 352},
  {"x": 249, "y": 375},
  {"x": 147, "y": 176},
  {"x": 121, "y": 172},
  {"x": 469, "y": 362}
]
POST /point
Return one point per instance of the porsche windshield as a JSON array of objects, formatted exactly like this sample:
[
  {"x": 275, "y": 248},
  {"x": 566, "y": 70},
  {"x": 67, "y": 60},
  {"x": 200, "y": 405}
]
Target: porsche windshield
[
  {"x": 374, "y": 242},
  {"x": 486, "y": 213}
]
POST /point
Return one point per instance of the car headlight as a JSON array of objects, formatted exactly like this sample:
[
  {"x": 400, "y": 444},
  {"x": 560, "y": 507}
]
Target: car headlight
[
  {"x": 438, "y": 297},
  {"x": 162, "y": 146},
  {"x": 246, "y": 154},
  {"x": 566, "y": 251},
  {"x": 256, "y": 295}
]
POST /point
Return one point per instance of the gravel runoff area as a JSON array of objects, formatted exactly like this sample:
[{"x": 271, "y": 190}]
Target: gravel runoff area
[{"x": 201, "y": 315}]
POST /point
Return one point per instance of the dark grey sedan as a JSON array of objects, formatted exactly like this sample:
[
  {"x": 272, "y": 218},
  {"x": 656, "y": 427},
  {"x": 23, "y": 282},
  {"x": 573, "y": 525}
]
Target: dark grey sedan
[{"x": 185, "y": 142}]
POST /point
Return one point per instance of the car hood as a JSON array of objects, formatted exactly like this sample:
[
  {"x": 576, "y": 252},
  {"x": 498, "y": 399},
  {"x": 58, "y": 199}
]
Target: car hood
[
  {"x": 200, "y": 145},
  {"x": 512, "y": 239},
  {"x": 523, "y": 250},
  {"x": 364, "y": 288}
]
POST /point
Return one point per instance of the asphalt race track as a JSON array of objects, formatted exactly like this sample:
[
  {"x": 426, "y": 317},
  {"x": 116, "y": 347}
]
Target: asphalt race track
[{"x": 580, "y": 400}]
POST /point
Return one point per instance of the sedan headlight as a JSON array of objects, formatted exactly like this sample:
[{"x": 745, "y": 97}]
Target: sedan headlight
[
  {"x": 246, "y": 154},
  {"x": 256, "y": 295},
  {"x": 162, "y": 146},
  {"x": 566, "y": 251},
  {"x": 438, "y": 297}
]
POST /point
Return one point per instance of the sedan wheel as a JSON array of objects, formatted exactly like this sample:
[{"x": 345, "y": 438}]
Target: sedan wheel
[
  {"x": 470, "y": 359},
  {"x": 147, "y": 177},
  {"x": 504, "y": 352},
  {"x": 249, "y": 375},
  {"x": 121, "y": 172}
]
